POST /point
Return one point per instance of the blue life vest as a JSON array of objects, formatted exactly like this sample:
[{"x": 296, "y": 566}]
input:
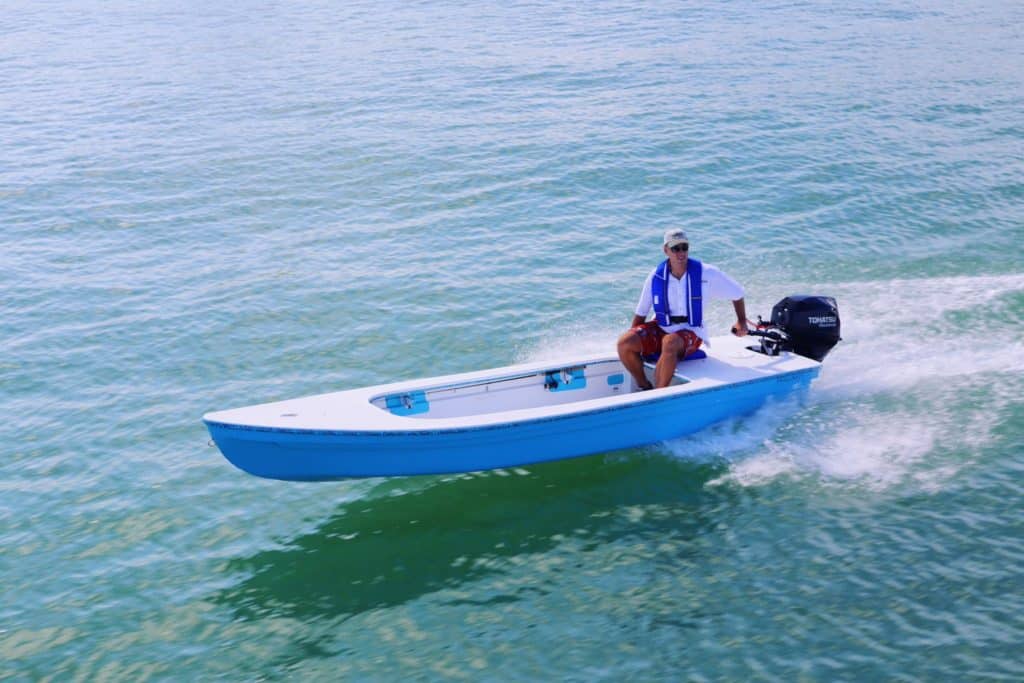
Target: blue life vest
[{"x": 659, "y": 293}]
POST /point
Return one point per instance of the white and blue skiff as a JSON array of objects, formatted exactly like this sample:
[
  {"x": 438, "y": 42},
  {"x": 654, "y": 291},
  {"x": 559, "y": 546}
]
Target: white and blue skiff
[{"x": 508, "y": 416}]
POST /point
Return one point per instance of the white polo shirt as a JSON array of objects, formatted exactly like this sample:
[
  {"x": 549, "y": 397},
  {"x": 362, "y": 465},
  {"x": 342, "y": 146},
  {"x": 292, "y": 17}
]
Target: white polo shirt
[{"x": 714, "y": 285}]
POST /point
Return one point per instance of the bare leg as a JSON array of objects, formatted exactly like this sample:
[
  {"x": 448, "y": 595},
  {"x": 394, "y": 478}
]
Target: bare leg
[
  {"x": 671, "y": 345},
  {"x": 629, "y": 354}
]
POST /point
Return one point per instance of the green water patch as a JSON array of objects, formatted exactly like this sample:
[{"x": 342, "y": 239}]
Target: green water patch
[{"x": 403, "y": 542}]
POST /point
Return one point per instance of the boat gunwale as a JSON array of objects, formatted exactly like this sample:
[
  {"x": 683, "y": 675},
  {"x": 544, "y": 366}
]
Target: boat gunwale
[{"x": 642, "y": 397}]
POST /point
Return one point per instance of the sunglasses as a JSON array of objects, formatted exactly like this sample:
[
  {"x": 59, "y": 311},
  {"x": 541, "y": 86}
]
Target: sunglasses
[{"x": 680, "y": 247}]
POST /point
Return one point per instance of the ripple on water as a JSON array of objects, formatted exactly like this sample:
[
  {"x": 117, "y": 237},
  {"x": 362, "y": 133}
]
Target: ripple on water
[{"x": 244, "y": 204}]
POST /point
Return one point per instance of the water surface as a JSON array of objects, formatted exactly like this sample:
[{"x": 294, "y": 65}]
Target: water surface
[{"x": 205, "y": 206}]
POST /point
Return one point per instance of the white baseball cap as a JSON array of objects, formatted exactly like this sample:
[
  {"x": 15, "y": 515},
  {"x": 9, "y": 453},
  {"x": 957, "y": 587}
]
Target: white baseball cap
[{"x": 674, "y": 237}]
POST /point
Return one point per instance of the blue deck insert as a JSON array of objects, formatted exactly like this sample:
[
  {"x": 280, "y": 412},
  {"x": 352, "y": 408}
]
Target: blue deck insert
[
  {"x": 555, "y": 380},
  {"x": 413, "y": 403}
]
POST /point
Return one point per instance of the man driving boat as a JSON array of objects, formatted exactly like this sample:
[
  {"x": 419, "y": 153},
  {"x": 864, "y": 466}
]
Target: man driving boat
[{"x": 675, "y": 290}]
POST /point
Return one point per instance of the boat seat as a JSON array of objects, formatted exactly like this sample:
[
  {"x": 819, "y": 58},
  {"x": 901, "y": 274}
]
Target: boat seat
[{"x": 696, "y": 355}]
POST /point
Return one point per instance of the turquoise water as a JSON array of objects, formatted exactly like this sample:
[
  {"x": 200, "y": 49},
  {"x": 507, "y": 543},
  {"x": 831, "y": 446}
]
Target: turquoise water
[{"x": 209, "y": 205}]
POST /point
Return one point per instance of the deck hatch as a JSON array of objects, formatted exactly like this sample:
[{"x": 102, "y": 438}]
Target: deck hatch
[
  {"x": 412, "y": 403},
  {"x": 566, "y": 379}
]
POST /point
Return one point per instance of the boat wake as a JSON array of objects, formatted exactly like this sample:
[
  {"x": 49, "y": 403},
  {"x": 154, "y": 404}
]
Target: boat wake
[
  {"x": 907, "y": 400},
  {"x": 914, "y": 393}
]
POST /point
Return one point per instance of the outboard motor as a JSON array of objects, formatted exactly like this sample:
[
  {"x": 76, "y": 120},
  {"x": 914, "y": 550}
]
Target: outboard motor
[{"x": 809, "y": 326}]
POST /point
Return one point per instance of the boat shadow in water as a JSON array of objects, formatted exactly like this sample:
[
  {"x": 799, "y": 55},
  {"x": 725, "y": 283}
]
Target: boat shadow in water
[{"x": 411, "y": 537}]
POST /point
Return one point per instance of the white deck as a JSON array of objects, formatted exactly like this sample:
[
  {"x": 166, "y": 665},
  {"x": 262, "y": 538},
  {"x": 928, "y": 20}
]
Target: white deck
[{"x": 508, "y": 394}]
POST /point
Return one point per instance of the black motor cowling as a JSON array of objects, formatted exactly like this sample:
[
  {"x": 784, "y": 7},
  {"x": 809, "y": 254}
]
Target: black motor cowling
[{"x": 811, "y": 324}]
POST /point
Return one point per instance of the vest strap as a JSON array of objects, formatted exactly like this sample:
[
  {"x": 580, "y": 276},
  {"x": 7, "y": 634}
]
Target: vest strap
[{"x": 692, "y": 293}]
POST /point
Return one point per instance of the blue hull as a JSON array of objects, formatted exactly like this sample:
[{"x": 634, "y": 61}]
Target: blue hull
[{"x": 318, "y": 455}]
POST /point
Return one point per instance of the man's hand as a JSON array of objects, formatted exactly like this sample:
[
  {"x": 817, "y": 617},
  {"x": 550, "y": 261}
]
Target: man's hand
[{"x": 740, "y": 328}]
